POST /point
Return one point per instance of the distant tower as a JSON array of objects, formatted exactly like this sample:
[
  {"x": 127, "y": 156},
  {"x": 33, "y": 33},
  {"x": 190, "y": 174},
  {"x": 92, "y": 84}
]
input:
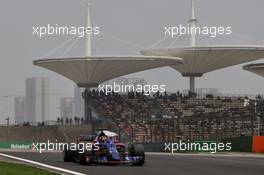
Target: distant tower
[
  {"x": 66, "y": 107},
  {"x": 19, "y": 109},
  {"x": 37, "y": 99},
  {"x": 78, "y": 102},
  {"x": 7, "y": 108}
]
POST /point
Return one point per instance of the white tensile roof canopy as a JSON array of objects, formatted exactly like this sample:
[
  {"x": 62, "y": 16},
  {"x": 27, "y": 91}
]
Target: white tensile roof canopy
[
  {"x": 255, "y": 68},
  {"x": 200, "y": 59},
  {"x": 93, "y": 70},
  {"x": 90, "y": 71}
]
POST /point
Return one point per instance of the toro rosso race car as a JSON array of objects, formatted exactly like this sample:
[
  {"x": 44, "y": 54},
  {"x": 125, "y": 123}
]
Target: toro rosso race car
[{"x": 105, "y": 149}]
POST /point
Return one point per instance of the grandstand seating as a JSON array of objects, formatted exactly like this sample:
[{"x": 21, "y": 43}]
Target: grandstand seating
[{"x": 165, "y": 117}]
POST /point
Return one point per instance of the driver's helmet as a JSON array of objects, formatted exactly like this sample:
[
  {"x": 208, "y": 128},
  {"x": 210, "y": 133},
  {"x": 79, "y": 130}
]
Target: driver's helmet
[{"x": 102, "y": 137}]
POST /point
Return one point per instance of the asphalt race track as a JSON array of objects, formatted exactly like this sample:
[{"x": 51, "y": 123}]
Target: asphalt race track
[{"x": 184, "y": 164}]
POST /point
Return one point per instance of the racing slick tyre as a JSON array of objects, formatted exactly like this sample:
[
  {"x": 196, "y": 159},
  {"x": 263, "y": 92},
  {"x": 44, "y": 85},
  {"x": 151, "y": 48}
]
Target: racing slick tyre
[
  {"x": 85, "y": 158},
  {"x": 67, "y": 155},
  {"x": 137, "y": 150},
  {"x": 122, "y": 153}
]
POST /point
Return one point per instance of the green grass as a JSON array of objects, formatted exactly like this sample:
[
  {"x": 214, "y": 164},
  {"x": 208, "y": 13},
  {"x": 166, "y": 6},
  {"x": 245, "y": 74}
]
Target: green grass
[{"x": 19, "y": 169}]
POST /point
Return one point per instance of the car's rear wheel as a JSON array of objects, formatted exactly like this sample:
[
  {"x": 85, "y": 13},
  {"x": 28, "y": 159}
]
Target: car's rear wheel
[
  {"x": 85, "y": 158},
  {"x": 67, "y": 156},
  {"x": 122, "y": 152},
  {"x": 137, "y": 150}
]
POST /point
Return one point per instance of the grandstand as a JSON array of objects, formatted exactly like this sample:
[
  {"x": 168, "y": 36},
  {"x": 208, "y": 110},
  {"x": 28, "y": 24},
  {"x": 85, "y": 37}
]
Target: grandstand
[{"x": 163, "y": 117}]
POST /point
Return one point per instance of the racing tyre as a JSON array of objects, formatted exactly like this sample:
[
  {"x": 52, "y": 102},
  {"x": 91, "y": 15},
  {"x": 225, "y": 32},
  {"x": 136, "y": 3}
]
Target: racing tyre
[
  {"x": 67, "y": 155},
  {"x": 137, "y": 150},
  {"x": 85, "y": 158},
  {"x": 122, "y": 152}
]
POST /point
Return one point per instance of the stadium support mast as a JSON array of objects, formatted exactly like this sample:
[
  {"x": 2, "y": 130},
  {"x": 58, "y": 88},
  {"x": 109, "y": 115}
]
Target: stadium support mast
[
  {"x": 88, "y": 51},
  {"x": 192, "y": 23}
]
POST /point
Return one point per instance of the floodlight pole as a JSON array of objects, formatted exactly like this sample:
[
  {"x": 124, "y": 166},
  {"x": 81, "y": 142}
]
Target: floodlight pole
[{"x": 7, "y": 128}]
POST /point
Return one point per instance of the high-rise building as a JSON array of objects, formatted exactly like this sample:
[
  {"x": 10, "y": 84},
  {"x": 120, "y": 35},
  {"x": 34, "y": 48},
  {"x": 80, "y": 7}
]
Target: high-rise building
[
  {"x": 78, "y": 102},
  {"x": 19, "y": 109},
  {"x": 37, "y": 99},
  {"x": 66, "y": 107},
  {"x": 7, "y": 109}
]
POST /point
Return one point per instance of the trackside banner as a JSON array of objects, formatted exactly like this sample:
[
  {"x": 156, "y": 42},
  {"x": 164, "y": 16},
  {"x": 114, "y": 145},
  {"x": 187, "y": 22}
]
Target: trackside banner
[{"x": 15, "y": 145}]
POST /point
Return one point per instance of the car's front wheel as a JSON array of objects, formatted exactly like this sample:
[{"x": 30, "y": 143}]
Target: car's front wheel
[{"x": 137, "y": 150}]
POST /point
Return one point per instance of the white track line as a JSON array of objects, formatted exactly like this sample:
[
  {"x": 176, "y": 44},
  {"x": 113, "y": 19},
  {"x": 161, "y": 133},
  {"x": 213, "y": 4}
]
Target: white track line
[
  {"x": 207, "y": 154},
  {"x": 42, "y": 165}
]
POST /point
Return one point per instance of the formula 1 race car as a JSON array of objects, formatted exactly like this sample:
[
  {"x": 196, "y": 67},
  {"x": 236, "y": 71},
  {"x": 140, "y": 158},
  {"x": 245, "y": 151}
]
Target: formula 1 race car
[{"x": 105, "y": 149}]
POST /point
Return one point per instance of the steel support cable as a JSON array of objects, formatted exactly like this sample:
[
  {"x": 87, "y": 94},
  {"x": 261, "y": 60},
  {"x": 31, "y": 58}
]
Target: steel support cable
[
  {"x": 70, "y": 47},
  {"x": 122, "y": 40},
  {"x": 58, "y": 47}
]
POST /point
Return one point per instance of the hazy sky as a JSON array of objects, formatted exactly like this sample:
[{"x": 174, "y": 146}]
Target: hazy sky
[{"x": 138, "y": 21}]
